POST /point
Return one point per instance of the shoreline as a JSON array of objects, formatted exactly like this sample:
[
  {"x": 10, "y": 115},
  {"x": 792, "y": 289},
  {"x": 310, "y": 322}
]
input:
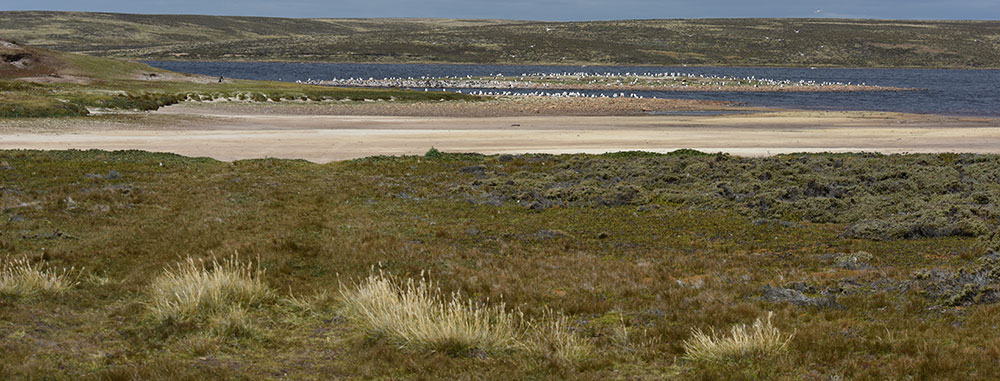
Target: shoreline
[
  {"x": 235, "y": 132},
  {"x": 579, "y": 64},
  {"x": 686, "y": 88}
]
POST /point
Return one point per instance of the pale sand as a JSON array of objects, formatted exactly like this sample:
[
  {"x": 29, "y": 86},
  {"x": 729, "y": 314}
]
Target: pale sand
[{"x": 330, "y": 137}]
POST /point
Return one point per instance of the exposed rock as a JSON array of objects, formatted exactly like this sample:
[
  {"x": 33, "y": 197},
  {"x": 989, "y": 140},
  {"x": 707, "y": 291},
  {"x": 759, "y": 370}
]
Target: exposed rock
[
  {"x": 787, "y": 295},
  {"x": 550, "y": 234},
  {"x": 968, "y": 286},
  {"x": 473, "y": 169},
  {"x": 854, "y": 261}
]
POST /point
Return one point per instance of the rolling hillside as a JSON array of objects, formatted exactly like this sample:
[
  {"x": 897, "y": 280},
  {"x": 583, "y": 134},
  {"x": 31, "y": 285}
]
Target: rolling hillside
[{"x": 756, "y": 42}]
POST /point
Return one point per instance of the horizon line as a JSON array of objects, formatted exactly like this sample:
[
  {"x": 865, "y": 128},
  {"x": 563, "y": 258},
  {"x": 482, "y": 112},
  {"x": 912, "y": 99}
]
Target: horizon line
[{"x": 494, "y": 19}]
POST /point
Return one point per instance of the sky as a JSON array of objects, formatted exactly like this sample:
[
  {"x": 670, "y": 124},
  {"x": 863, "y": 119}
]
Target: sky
[{"x": 550, "y": 10}]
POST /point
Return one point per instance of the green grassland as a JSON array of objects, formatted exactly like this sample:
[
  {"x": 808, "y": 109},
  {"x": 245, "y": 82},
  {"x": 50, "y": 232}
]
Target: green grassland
[
  {"x": 34, "y": 100},
  {"x": 743, "y": 42},
  {"x": 880, "y": 267},
  {"x": 72, "y": 84}
]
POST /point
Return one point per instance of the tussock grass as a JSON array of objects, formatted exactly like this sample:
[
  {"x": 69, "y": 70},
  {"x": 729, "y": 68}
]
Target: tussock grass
[
  {"x": 19, "y": 278},
  {"x": 760, "y": 340},
  {"x": 196, "y": 289},
  {"x": 234, "y": 321},
  {"x": 414, "y": 314},
  {"x": 553, "y": 339}
]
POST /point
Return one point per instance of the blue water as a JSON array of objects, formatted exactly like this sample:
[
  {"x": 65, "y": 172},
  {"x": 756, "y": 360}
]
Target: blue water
[{"x": 948, "y": 92}]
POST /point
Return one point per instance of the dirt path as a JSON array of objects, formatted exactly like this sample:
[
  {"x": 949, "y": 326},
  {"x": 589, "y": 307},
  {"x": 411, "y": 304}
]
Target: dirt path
[{"x": 331, "y": 137}]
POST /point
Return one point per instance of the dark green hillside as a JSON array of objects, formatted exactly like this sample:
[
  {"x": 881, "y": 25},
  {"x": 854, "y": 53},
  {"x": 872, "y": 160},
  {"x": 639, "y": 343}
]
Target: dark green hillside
[{"x": 760, "y": 42}]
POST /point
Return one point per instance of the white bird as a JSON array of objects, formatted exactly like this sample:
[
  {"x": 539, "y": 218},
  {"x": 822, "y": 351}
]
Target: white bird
[
  {"x": 547, "y": 29},
  {"x": 819, "y": 11}
]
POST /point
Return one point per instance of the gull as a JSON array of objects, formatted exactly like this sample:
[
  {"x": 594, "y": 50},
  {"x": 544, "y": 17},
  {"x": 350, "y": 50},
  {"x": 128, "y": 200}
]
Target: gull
[
  {"x": 796, "y": 31},
  {"x": 547, "y": 29},
  {"x": 819, "y": 11}
]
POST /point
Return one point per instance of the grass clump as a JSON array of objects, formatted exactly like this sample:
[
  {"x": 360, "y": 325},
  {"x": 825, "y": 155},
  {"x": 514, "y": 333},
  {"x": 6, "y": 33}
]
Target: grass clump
[
  {"x": 195, "y": 290},
  {"x": 19, "y": 278},
  {"x": 234, "y": 321},
  {"x": 413, "y": 314},
  {"x": 553, "y": 339},
  {"x": 760, "y": 340}
]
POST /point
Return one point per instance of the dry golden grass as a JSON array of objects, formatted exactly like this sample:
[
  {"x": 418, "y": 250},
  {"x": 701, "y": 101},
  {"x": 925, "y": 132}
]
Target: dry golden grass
[
  {"x": 760, "y": 340},
  {"x": 233, "y": 321},
  {"x": 552, "y": 338},
  {"x": 19, "y": 278},
  {"x": 195, "y": 288},
  {"x": 414, "y": 314}
]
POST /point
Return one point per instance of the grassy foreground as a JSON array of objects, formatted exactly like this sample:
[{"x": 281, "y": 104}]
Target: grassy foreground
[{"x": 626, "y": 265}]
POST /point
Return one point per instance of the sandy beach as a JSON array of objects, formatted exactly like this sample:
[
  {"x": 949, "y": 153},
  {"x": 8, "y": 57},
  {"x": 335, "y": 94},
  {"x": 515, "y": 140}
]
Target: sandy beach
[{"x": 234, "y": 132}]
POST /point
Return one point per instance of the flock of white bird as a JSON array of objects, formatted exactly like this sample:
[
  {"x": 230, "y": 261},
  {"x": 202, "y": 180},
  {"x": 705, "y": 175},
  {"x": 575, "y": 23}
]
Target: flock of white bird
[{"x": 482, "y": 85}]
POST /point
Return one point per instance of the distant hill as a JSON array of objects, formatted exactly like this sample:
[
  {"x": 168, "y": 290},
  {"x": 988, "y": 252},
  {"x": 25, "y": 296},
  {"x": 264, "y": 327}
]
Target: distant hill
[{"x": 731, "y": 42}]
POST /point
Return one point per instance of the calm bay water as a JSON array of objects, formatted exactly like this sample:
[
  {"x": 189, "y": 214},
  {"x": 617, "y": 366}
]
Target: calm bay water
[{"x": 949, "y": 92}]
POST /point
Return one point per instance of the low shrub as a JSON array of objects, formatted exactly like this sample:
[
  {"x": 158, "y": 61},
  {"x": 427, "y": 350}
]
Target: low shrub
[{"x": 28, "y": 106}]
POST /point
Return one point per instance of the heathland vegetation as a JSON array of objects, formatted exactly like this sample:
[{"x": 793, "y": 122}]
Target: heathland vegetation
[
  {"x": 630, "y": 265},
  {"x": 739, "y": 42}
]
